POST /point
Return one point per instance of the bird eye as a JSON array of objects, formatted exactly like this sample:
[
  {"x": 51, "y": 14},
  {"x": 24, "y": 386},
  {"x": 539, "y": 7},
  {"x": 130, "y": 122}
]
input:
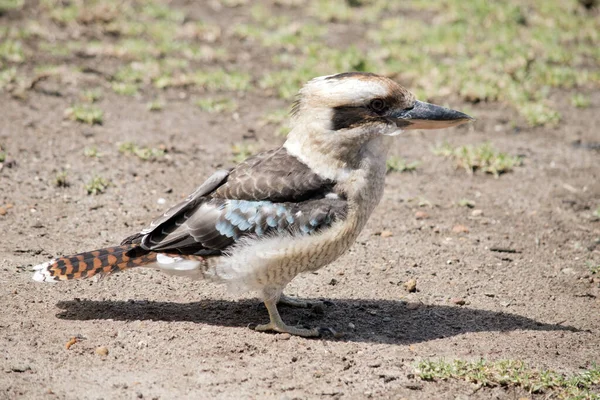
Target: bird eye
[{"x": 377, "y": 105}]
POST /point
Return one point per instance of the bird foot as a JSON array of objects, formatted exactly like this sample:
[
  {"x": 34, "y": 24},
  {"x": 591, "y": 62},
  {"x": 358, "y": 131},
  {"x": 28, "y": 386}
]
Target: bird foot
[{"x": 276, "y": 323}]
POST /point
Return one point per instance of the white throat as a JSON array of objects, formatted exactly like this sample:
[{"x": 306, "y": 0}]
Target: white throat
[{"x": 300, "y": 145}]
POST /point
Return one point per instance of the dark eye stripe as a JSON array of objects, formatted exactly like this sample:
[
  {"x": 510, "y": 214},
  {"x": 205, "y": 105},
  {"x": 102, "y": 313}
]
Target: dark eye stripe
[{"x": 345, "y": 117}]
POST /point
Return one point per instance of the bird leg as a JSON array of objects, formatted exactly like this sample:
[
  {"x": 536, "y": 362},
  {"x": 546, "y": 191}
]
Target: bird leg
[{"x": 276, "y": 324}]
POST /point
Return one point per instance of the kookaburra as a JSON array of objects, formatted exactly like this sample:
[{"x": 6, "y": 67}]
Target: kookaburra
[{"x": 285, "y": 211}]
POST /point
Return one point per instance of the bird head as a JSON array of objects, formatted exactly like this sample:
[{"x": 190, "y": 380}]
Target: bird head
[{"x": 337, "y": 115}]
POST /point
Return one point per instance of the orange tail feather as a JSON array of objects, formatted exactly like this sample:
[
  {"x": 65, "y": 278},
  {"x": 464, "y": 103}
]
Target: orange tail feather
[{"x": 85, "y": 265}]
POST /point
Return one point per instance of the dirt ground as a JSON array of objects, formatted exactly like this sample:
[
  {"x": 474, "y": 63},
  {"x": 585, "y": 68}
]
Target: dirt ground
[{"x": 517, "y": 285}]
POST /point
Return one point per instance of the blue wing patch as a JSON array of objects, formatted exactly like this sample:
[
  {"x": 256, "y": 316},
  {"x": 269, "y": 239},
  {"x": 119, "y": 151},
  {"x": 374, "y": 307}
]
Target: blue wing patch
[
  {"x": 216, "y": 224},
  {"x": 241, "y": 217}
]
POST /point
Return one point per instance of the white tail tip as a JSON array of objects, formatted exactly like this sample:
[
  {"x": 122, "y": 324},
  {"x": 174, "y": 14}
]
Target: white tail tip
[{"x": 42, "y": 274}]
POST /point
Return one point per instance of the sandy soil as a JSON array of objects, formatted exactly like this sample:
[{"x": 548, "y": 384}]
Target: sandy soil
[{"x": 515, "y": 286}]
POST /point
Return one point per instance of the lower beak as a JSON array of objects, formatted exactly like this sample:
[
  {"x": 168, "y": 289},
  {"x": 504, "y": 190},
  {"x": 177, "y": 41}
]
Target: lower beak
[{"x": 429, "y": 116}]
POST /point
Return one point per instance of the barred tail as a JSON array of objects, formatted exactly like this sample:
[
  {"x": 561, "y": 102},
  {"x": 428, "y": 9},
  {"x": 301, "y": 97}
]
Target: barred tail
[{"x": 87, "y": 264}]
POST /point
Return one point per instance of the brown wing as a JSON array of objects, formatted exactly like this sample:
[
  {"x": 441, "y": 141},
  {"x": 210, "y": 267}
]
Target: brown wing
[
  {"x": 276, "y": 176},
  {"x": 272, "y": 192}
]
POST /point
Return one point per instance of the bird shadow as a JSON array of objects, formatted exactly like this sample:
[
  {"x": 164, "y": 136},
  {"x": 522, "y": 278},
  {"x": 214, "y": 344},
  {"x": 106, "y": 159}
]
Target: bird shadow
[{"x": 375, "y": 321}]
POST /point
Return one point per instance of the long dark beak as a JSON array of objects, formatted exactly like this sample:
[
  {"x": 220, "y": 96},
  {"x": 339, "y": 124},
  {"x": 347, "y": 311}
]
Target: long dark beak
[{"x": 429, "y": 116}]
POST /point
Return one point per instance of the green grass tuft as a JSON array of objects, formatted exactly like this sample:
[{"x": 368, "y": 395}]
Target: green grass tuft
[
  {"x": 92, "y": 152},
  {"x": 483, "y": 157},
  {"x": 9, "y": 5},
  {"x": 155, "y": 105},
  {"x": 580, "y": 100},
  {"x": 242, "y": 151},
  {"x": 85, "y": 113},
  {"x": 143, "y": 153},
  {"x": 97, "y": 185},
  {"x": 11, "y": 51},
  {"x": 507, "y": 373},
  {"x": 92, "y": 95},
  {"x": 466, "y": 203},
  {"x": 60, "y": 180},
  {"x": 222, "y": 80},
  {"x": 217, "y": 105},
  {"x": 399, "y": 164},
  {"x": 7, "y": 76},
  {"x": 125, "y": 89},
  {"x": 539, "y": 114}
]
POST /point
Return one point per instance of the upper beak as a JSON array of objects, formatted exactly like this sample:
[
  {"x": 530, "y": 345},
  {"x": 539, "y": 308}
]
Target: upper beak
[{"x": 429, "y": 116}]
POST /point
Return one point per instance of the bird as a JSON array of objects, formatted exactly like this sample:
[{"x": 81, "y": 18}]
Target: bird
[{"x": 282, "y": 212}]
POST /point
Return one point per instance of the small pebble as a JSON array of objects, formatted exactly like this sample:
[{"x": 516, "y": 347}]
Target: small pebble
[
  {"x": 2, "y": 211},
  {"x": 413, "y": 306},
  {"x": 161, "y": 201},
  {"x": 411, "y": 285},
  {"x": 458, "y": 301},
  {"x": 283, "y": 336},
  {"x": 70, "y": 343},
  {"x": 338, "y": 335},
  {"x": 351, "y": 325},
  {"x": 477, "y": 213},
  {"x": 102, "y": 351},
  {"x": 386, "y": 234},
  {"x": 421, "y": 215},
  {"x": 568, "y": 271},
  {"x": 460, "y": 229}
]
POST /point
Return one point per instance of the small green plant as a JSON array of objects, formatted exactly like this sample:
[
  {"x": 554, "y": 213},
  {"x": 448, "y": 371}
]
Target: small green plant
[
  {"x": 538, "y": 114},
  {"x": 221, "y": 80},
  {"x": 12, "y": 51},
  {"x": 155, "y": 105},
  {"x": 91, "y": 95},
  {"x": 60, "y": 180},
  {"x": 125, "y": 88},
  {"x": 7, "y": 76},
  {"x": 597, "y": 212},
  {"x": 8, "y": 5},
  {"x": 143, "y": 153},
  {"x": 92, "y": 152},
  {"x": 517, "y": 374},
  {"x": 2, "y": 156},
  {"x": 241, "y": 151},
  {"x": 213, "y": 105},
  {"x": 97, "y": 185},
  {"x": 580, "y": 100},
  {"x": 399, "y": 164},
  {"x": 482, "y": 157},
  {"x": 466, "y": 203},
  {"x": 85, "y": 113},
  {"x": 594, "y": 268}
]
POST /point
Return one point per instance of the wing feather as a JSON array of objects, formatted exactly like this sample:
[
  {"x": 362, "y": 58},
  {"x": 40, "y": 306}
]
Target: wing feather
[{"x": 270, "y": 193}]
